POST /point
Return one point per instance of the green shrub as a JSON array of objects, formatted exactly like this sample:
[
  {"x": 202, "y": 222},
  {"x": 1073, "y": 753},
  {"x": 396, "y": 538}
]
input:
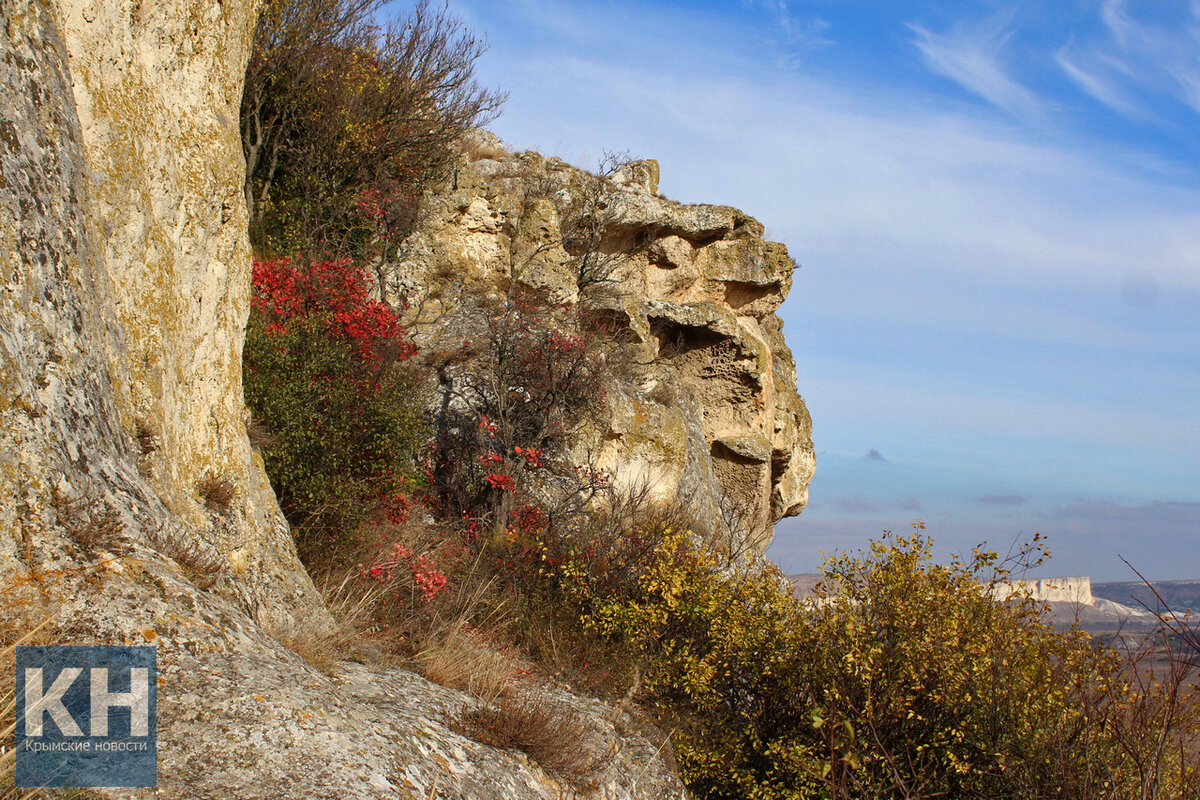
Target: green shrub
[
  {"x": 327, "y": 372},
  {"x": 341, "y": 116}
]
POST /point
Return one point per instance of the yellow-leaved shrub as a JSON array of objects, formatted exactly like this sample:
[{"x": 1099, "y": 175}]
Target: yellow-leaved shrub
[{"x": 901, "y": 678}]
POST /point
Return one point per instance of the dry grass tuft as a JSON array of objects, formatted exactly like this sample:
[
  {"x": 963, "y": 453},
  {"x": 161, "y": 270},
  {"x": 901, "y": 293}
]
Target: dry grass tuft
[
  {"x": 18, "y": 634},
  {"x": 478, "y": 146},
  {"x": 101, "y": 527},
  {"x": 260, "y": 436},
  {"x": 461, "y": 660},
  {"x": 217, "y": 491},
  {"x": 89, "y": 521},
  {"x": 147, "y": 439},
  {"x": 353, "y": 611},
  {"x": 317, "y": 644},
  {"x": 555, "y": 737},
  {"x": 8, "y": 727}
]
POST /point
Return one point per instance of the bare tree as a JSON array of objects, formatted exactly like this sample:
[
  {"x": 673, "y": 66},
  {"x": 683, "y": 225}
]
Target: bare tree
[{"x": 590, "y": 223}]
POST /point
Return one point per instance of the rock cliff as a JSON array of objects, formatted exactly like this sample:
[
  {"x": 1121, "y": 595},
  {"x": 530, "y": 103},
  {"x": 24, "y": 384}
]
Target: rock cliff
[
  {"x": 712, "y": 414},
  {"x": 1071, "y": 599},
  {"x": 132, "y": 508},
  {"x": 127, "y": 291}
]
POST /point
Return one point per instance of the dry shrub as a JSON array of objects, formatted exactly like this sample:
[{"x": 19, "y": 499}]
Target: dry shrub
[
  {"x": 463, "y": 660},
  {"x": 14, "y": 634},
  {"x": 478, "y": 145},
  {"x": 260, "y": 435},
  {"x": 88, "y": 520},
  {"x": 217, "y": 491},
  {"x": 336, "y": 105},
  {"x": 147, "y": 438},
  {"x": 554, "y": 736}
]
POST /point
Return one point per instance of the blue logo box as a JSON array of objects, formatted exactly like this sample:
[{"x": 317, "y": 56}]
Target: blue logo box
[{"x": 86, "y": 716}]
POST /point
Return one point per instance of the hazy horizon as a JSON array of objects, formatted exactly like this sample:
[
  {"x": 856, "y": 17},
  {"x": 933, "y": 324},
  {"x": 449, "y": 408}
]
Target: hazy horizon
[{"x": 997, "y": 212}]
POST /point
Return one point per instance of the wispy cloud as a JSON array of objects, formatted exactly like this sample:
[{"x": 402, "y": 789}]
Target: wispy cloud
[
  {"x": 1138, "y": 58},
  {"x": 1065, "y": 269},
  {"x": 799, "y": 34},
  {"x": 1093, "y": 83},
  {"x": 1167, "y": 511},
  {"x": 1002, "y": 500},
  {"x": 972, "y": 55},
  {"x": 856, "y": 505}
]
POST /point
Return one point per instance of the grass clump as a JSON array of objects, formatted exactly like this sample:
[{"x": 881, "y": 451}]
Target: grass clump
[
  {"x": 557, "y": 738},
  {"x": 461, "y": 659},
  {"x": 20, "y": 632},
  {"x": 90, "y": 521},
  {"x": 217, "y": 491}
]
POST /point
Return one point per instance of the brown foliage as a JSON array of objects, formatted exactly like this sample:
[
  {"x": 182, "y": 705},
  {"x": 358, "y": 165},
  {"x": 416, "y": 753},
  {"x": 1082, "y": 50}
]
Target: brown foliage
[
  {"x": 353, "y": 605},
  {"x": 89, "y": 521},
  {"x": 461, "y": 660},
  {"x": 217, "y": 491},
  {"x": 13, "y": 634},
  {"x": 147, "y": 439}
]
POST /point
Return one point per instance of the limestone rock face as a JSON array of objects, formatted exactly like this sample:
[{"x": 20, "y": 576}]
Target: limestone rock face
[
  {"x": 132, "y": 508},
  {"x": 1070, "y": 600},
  {"x": 124, "y": 337},
  {"x": 714, "y": 416}
]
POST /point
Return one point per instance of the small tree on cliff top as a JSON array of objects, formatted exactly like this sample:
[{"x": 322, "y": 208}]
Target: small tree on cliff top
[{"x": 337, "y": 110}]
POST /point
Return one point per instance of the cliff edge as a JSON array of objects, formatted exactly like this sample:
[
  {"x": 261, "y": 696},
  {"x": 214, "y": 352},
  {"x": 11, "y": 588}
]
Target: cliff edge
[{"x": 132, "y": 507}]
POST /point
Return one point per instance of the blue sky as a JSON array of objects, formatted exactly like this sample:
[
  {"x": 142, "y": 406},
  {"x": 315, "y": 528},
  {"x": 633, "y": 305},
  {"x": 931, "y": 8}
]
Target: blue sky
[{"x": 996, "y": 207}]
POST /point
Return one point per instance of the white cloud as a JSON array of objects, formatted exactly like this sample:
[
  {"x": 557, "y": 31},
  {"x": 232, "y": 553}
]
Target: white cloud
[
  {"x": 1093, "y": 83},
  {"x": 869, "y": 175},
  {"x": 800, "y": 34},
  {"x": 1155, "y": 58},
  {"x": 1119, "y": 25},
  {"x": 909, "y": 212},
  {"x": 972, "y": 56}
]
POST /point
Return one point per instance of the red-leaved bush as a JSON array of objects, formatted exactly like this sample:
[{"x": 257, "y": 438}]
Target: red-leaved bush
[
  {"x": 428, "y": 580},
  {"x": 327, "y": 371},
  {"x": 288, "y": 290}
]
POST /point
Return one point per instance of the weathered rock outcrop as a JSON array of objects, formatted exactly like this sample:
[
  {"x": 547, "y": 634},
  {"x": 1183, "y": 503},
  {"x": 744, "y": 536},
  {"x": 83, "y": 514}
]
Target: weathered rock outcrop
[
  {"x": 1070, "y": 599},
  {"x": 127, "y": 290},
  {"x": 712, "y": 414},
  {"x": 132, "y": 508}
]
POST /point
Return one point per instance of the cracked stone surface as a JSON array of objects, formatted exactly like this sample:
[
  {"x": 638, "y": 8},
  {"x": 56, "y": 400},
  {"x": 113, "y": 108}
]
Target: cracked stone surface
[{"x": 717, "y": 418}]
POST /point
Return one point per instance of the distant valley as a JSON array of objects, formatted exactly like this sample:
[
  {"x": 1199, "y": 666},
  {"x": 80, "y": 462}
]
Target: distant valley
[
  {"x": 1101, "y": 608},
  {"x": 1179, "y": 596}
]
